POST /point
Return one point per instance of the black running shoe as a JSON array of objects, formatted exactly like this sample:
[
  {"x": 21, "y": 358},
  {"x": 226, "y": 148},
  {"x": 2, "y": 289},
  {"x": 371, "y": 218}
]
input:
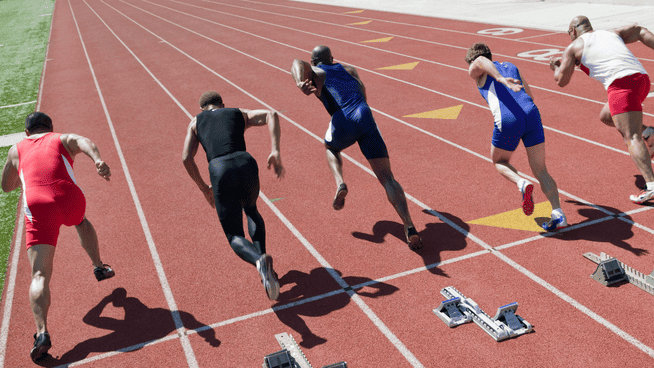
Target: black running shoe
[
  {"x": 41, "y": 346},
  {"x": 339, "y": 198},
  {"x": 268, "y": 276},
  {"x": 104, "y": 272}
]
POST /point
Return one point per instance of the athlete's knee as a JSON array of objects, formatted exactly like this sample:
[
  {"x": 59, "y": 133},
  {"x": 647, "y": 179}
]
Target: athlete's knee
[{"x": 606, "y": 118}]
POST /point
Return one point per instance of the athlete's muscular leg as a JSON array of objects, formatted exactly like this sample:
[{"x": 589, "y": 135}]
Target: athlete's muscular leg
[
  {"x": 605, "y": 115},
  {"x": 335, "y": 162},
  {"x": 394, "y": 192},
  {"x": 630, "y": 125},
  {"x": 536, "y": 155},
  {"x": 89, "y": 240},
  {"x": 501, "y": 159},
  {"x": 41, "y": 258}
]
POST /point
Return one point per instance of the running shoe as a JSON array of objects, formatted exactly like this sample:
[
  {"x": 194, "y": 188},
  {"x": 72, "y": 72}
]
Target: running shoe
[
  {"x": 268, "y": 276},
  {"x": 555, "y": 223},
  {"x": 104, "y": 272},
  {"x": 413, "y": 239},
  {"x": 42, "y": 344},
  {"x": 527, "y": 200},
  {"x": 339, "y": 199},
  {"x": 643, "y": 197}
]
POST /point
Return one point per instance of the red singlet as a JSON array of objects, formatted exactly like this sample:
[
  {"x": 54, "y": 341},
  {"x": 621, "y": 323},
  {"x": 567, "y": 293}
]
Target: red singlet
[{"x": 50, "y": 195}]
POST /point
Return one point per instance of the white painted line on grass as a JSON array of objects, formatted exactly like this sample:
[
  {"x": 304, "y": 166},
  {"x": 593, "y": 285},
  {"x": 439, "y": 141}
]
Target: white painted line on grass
[
  {"x": 20, "y": 104},
  {"x": 11, "y": 139}
]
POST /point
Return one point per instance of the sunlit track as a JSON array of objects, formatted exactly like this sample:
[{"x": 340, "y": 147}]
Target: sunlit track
[
  {"x": 392, "y": 78},
  {"x": 470, "y": 236},
  {"x": 520, "y": 40},
  {"x": 555, "y": 290}
]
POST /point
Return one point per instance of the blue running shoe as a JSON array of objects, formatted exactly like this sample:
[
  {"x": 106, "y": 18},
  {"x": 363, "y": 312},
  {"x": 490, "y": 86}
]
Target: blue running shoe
[{"x": 557, "y": 222}]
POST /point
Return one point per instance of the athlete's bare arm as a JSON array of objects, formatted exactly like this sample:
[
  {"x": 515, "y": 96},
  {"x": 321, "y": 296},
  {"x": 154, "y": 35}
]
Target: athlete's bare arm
[
  {"x": 633, "y": 33},
  {"x": 270, "y": 118},
  {"x": 482, "y": 66},
  {"x": 526, "y": 87},
  {"x": 191, "y": 144},
  {"x": 76, "y": 144},
  {"x": 564, "y": 68},
  {"x": 353, "y": 73},
  {"x": 310, "y": 86},
  {"x": 10, "y": 178}
]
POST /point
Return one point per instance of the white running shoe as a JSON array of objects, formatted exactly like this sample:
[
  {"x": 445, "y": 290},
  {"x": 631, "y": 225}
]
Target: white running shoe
[
  {"x": 643, "y": 197},
  {"x": 268, "y": 276},
  {"x": 555, "y": 223}
]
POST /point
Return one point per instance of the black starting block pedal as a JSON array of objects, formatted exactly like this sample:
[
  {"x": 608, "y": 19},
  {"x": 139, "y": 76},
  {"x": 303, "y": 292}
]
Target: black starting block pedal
[
  {"x": 280, "y": 359},
  {"x": 336, "y": 365}
]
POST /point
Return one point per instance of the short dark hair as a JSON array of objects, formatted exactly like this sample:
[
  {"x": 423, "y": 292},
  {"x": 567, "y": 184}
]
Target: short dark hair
[
  {"x": 321, "y": 54},
  {"x": 37, "y": 120},
  {"x": 477, "y": 50},
  {"x": 210, "y": 98}
]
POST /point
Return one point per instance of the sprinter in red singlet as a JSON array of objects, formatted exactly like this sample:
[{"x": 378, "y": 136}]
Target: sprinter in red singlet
[
  {"x": 604, "y": 56},
  {"x": 43, "y": 163}
]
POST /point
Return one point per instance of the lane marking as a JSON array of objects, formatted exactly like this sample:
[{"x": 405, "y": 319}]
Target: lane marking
[
  {"x": 24, "y": 103},
  {"x": 407, "y": 66},
  {"x": 385, "y": 39},
  {"x": 466, "y": 233},
  {"x": 179, "y": 326},
  {"x": 11, "y": 139},
  {"x": 446, "y": 113}
]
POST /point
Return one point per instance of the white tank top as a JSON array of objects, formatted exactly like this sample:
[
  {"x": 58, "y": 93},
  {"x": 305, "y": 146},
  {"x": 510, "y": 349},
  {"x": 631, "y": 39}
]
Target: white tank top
[{"x": 606, "y": 58}]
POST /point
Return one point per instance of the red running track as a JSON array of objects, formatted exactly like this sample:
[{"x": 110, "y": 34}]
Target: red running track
[{"x": 128, "y": 74}]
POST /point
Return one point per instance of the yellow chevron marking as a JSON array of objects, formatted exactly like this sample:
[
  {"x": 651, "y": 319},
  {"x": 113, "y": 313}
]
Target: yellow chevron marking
[
  {"x": 517, "y": 220},
  {"x": 446, "y": 113}
]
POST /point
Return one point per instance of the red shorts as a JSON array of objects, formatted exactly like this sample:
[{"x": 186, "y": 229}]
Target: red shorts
[
  {"x": 49, "y": 207},
  {"x": 628, "y": 93}
]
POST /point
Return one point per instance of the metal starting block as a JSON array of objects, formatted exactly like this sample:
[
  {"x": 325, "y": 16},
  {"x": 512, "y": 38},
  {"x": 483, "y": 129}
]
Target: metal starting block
[
  {"x": 291, "y": 356},
  {"x": 610, "y": 271},
  {"x": 458, "y": 310}
]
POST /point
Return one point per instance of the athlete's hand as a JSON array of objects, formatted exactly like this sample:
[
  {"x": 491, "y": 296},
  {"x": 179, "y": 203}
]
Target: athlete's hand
[
  {"x": 554, "y": 63},
  {"x": 275, "y": 160},
  {"x": 511, "y": 83},
  {"x": 307, "y": 87},
  {"x": 103, "y": 169},
  {"x": 208, "y": 195}
]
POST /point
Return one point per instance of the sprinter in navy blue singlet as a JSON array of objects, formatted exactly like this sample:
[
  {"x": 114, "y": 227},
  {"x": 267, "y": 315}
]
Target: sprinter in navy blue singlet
[
  {"x": 234, "y": 176},
  {"x": 344, "y": 96}
]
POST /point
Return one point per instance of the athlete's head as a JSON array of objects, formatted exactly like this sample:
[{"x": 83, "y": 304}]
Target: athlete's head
[
  {"x": 210, "y": 98},
  {"x": 578, "y": 26},
  {"x": 321, "y": 55},
  {"x": 38, "y": 121},
  {"x": 477, "y": 50}
]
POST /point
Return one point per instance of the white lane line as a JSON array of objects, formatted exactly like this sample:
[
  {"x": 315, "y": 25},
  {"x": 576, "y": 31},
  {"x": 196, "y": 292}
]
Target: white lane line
[
  {"x": 11, "y": 139},
  {"x": 356, "y": 298},
  {"x": 186, "y": 344},
  {"x": 466, "y": 233},
  {"x": 18, "y": 232},
  {"x": 24, "y": 103}
]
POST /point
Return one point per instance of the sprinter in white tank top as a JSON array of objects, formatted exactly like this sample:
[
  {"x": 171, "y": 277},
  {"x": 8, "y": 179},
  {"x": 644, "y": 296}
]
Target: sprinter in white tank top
[{"x": 604, "y": 56}]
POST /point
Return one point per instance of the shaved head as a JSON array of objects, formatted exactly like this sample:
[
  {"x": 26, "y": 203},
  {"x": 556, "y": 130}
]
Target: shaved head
[
  {"x": 321, "y": 54},
  {"x": 580, "y": 24}
]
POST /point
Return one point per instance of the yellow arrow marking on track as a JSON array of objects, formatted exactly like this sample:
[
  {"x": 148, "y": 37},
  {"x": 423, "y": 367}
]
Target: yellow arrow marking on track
[
  {"x": 360, "y": 23},
  {"x": 385, "y": 39},
  {"x": 355, "y": 12},
  {"x": 517, "y": 220},
  {"x": 446, "y": 113},
  {"x": 408, "y": 66}
]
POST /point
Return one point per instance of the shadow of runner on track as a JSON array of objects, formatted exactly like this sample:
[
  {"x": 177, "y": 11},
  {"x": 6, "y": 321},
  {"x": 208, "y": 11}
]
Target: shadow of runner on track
[
  {"x": 312, "y": 284},
  {"x": 140, "y": 325},
  {"x": 614, "y": 231},
  {"x": 436, "y": 237}
]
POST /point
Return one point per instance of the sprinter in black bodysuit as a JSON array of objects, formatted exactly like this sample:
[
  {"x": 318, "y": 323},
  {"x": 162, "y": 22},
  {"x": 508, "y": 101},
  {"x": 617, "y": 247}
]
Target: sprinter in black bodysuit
[{"x": 234, "y": 176}]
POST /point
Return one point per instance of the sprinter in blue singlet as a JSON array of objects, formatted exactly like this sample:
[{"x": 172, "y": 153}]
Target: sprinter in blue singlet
[
  {"x": 344, "y": 96},
  {"x": 516, "y": 118}
]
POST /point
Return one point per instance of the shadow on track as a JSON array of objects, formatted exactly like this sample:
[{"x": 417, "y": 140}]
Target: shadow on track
[
  {"x": 436, "y": 237},
  {"x": 140, "y": 326},
  {"x": 317, "y": 282}
]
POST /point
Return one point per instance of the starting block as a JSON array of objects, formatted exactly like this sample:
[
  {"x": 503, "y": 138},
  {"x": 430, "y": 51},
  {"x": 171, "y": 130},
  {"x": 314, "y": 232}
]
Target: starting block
[
  {"x": 458, "y": 310},
  {"x": 291, "y": 356},
  {"x": 610, "y": 270}
]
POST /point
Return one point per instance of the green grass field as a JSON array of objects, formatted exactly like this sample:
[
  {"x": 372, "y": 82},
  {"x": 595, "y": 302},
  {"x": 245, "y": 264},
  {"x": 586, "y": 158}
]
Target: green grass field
[{"x": 24, "y": 29}]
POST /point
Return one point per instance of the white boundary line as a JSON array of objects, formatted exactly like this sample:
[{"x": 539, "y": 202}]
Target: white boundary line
[
  {"x": 24, "y": 103},
  {"x": 179, "y": 326},
  {"x": 10, "y": 287},
  {"x": 484, "y": 245}
]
